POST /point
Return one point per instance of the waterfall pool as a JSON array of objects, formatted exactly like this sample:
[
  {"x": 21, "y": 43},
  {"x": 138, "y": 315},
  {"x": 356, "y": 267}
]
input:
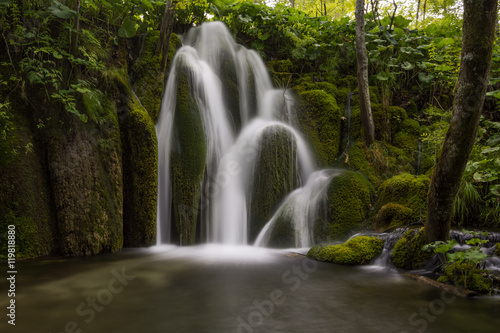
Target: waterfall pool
[{"x": 219, "y": 289}]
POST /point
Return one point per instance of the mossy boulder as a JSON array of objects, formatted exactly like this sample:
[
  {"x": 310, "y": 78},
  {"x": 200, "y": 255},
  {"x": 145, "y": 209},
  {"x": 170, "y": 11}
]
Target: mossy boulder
[
  {"x": 25, "y": 201},
  {"x": 405, "y": 141},
  {"x": 319, "y": 118},
  {"x": 275, "y": 176},
  {"x": 140, "y": 177},
  {"x": 407, "y": 190},
  {"x": 408, "y": 253},
  {"x": 187, "y": 161},
  {"x": 355, "y": 159},
  {"x": 392, "y": 215},
  {"x": 85, "y": 170},
  {"x": 356, "y": 251},
  {"x": 497, "y": 251},
  {"x": 147, "y": 75},
  {"x": 349, "y": 200},
  {"x": 468, "y": 276}
]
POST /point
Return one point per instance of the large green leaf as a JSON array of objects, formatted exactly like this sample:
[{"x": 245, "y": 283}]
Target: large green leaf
[
  {"x": 60, "y": 10},
  {"x": 407, "y": 66},
  {"x": 425, "y": 78},
  {"x": 128, "y": 29}
]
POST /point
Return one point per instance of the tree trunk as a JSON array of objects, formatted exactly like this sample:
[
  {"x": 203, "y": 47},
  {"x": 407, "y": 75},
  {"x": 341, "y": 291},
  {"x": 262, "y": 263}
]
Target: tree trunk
[
  {"x": 418, "y": 10},
  {"x": 74, "y": 34},
  {"x": 363, "y": 88},
  {"x": 167, "y": 25},
  {"x": 292, "y": 3},
  {"x": 425, "y": 9},
  {"x": 479, "y": 25}
]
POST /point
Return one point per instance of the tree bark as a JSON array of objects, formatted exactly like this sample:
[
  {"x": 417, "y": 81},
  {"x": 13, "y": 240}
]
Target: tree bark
[
  {"x": 418, "y": 10},
  {"x": 479, "y": 25},
  {"x": 76, "y": 28},
  {"x": 166, "y": 28},
  {"x": 363, "y": 88}
]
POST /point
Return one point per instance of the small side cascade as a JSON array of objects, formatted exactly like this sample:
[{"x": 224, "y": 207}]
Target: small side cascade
[
  {"x": 348, "y": 116},
  {"x": 300, "y": 209},
  {"x": 419, "y": 157}
]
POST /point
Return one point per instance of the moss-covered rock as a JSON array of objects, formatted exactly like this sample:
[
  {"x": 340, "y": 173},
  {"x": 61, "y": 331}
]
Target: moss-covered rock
[
  {"x": 397, "y": 116},
  {"x": 86, "y": 183},
  {"x": 275, "y": 176},
  {"x": 319, "y": 118},
  {"x": 408, "y": 253},
  {"x": 148, "y": 78},
  {"x": 25, "y": 196},
  {"x": 405, "y": 141},
  {"x": 355, "y": 159},
  {"x": 407, "y": 190},
  {"x": 188, "y": 160},
  {"x": 349, "y": 199},
  {"x": 392, "y": 215},
  {"x": 497, "y": 251},
  {"x": 356, "y": 251},
  {"x": 140, "y": 177},
  {"x": 230, "y": 90},
  {"x": 466, "y": 275}
]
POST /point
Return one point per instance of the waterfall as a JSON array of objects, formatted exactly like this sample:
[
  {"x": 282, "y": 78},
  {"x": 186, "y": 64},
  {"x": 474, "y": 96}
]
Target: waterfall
[{"x": 231, "y": 95}]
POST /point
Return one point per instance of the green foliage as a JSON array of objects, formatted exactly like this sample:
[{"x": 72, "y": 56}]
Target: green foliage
[
  {"x": 467, "y": 275},
  {"x": 462, "y": 268},
  {"x": 356, "y": 251}
]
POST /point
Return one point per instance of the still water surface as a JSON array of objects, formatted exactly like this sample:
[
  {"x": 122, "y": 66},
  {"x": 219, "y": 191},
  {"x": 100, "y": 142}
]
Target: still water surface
[{"x": 212, "y": 288}]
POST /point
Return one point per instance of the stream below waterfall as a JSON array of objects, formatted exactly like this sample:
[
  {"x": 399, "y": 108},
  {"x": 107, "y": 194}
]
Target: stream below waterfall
[{"x": 216, "y": 288}]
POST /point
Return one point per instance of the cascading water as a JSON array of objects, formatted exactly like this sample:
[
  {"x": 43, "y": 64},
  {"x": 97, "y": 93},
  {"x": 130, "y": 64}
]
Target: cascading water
[{"x": 238, "y": 108}]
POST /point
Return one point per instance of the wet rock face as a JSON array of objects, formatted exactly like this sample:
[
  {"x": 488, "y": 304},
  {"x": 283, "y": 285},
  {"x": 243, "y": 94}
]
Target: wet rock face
[{"x": 86, "y": 182}]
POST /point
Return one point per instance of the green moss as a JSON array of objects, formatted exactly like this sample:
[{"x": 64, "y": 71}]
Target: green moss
[
  {"x": 140, "y": 177},
  {"x": 406, "y": 141},
  {"x": 356, "y": 251},
  {"x": 349, "y": 81},
  {"x": 397, "y": 116},
  {"x": 381, "y": 122},
  {"x": 319, "y": 118},
  {"x": 86, "y": 183},
  {"x": 25, "y": 195},
  {"x": 230, "y": 91},
  {"x": 466, "y": 275},
  {"x": 349, "y": 199},
  {"x": 392, "y": 215},
  {"x": 497, "y": 251},
  {"x": 355, "y": 159},
  {"x": 407, "y": 190},
  {"x": 188, "y": 159},
  {"x": 147, "y": 75},
  {"x": 411, "y": 126},
  {"x": 407, "y": 253},
  {"x": 412, "y": 109},
  {"x": 275, "y": 176}
]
